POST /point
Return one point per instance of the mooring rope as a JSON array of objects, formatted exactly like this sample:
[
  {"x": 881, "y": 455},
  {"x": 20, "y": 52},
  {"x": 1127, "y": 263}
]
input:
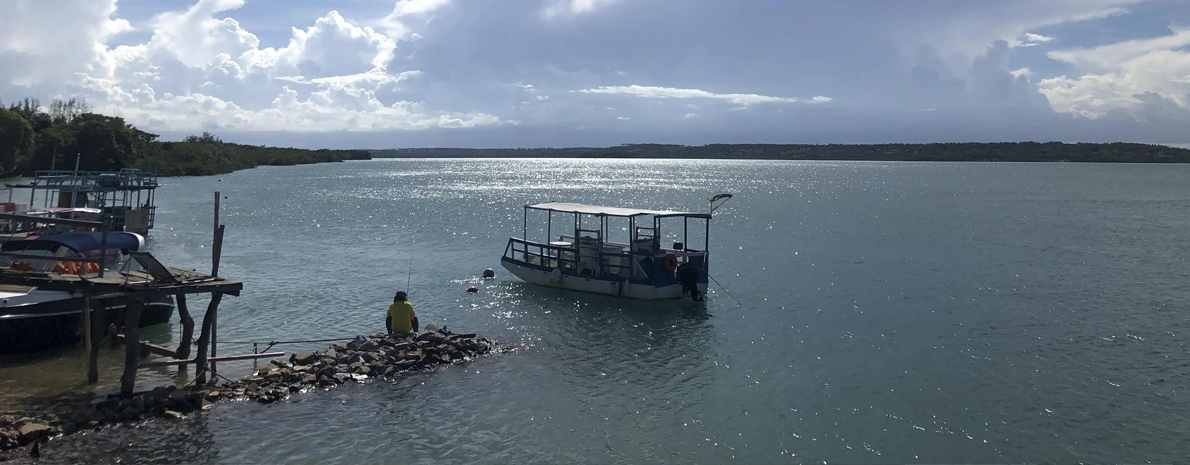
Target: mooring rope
[{"x": 737, "y": 301}]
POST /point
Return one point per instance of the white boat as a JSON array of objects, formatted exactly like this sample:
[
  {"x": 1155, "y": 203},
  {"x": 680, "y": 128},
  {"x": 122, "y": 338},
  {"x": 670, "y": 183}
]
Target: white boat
[{"x": 583, "y": 258}]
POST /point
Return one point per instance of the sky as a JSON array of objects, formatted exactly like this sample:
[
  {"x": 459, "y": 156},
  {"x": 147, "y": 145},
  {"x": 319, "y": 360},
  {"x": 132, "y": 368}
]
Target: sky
[{"x": 555, "y": 73}]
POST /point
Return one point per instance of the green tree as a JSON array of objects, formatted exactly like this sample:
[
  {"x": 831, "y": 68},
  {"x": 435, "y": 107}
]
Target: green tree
[
  {"x": 16, "y": 138},
  {"x": 102, "y": 142}
]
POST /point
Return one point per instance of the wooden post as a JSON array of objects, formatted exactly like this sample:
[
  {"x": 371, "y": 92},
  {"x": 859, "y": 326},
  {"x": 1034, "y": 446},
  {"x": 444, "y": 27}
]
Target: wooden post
[
  {"x": 216, "y": 240},
  {"x": 217, "y": 250},
  {"x": 216, "y": 230},
  {"x": 132, "y": 310},
  {"x": 87, "y": 322},
  {"x": 187, "y": 327},
  {"x": 214, "y": 313},
  {"x": 204, "y": 338},
  {"x": 96, "y": 332}
]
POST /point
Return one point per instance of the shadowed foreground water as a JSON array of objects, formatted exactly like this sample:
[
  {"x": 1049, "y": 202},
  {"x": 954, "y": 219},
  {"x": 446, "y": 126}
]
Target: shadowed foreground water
[{"x": 889, "y": 312}]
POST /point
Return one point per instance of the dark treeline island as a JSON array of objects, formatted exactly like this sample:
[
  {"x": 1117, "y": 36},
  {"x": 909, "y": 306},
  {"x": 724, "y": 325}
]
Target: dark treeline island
[
  {"x": 33, "y": 138},
  {"x": 1005, "y": 151}
]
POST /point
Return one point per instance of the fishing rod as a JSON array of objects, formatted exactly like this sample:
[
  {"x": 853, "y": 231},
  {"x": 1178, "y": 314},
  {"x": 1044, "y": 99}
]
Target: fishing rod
[{"x": 409, "y": 274}]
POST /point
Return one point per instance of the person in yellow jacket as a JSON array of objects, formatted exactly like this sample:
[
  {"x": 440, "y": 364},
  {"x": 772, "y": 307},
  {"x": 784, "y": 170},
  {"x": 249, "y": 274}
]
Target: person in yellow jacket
[{"x": 401, "y": 318}]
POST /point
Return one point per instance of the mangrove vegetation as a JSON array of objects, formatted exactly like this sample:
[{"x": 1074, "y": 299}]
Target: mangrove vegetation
[
  {"x": 1005, "y": 151},
  {"x": 34, "y": 138}
]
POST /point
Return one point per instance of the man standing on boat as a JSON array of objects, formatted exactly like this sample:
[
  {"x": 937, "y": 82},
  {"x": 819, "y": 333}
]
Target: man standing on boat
[{"x": 401, "y": 318}]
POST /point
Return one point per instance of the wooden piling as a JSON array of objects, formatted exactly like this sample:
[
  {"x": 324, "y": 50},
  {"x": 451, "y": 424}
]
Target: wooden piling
[
  {"x": 204, "y": 338},
  {"x": 86, "y": 326},
  {"x": 96, "y": 331},
  {"x": 132, "y": 311},
  {"x": 187, "y": 327}
]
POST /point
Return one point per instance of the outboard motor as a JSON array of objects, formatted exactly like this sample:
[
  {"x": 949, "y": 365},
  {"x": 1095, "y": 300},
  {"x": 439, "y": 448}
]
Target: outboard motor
[{"x": 687, "y": 276}]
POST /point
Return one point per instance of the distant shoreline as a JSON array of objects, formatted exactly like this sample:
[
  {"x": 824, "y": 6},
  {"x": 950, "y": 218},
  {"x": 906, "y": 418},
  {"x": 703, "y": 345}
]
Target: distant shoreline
[{"x": 1117, "y": 152}]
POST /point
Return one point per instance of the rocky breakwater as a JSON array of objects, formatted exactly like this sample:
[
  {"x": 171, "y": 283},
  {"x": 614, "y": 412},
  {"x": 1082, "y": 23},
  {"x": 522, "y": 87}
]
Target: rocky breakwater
[
  {"x": 364, "y": 358},
  {"x": 380, "y": 355}
]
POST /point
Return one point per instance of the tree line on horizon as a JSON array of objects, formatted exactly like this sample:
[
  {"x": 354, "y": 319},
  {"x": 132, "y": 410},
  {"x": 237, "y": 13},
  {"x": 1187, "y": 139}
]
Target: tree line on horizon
[
  {"x": 1116, "y": 152},
  {"x": 34, "y": 138}
]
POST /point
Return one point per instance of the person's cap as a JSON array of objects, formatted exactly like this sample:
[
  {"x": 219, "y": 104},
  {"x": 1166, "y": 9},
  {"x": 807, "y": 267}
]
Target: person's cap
[{"x": 402, "y": 294}]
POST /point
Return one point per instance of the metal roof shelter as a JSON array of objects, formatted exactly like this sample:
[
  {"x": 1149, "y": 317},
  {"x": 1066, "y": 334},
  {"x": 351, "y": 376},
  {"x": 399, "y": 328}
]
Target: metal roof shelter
[
  {"x": 127, "y": 196},
  {"x": 566, "y": 207}
]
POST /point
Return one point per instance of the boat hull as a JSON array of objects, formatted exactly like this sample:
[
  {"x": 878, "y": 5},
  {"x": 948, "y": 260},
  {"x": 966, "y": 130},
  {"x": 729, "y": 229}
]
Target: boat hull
[
  {"x": 57, "y": 323},
  {"x": 596, "y": 285}
]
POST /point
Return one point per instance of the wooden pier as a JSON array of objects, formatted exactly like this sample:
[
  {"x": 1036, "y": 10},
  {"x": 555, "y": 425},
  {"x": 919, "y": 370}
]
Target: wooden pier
[{"x": 136, "y": 289}]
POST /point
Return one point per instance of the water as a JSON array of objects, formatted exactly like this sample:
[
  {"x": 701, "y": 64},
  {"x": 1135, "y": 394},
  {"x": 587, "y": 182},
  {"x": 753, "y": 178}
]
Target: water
[{"x": 890, "y": 312}]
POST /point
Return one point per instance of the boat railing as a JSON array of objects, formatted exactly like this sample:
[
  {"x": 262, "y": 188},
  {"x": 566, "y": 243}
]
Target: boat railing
[{"x": 547, "y": 255}]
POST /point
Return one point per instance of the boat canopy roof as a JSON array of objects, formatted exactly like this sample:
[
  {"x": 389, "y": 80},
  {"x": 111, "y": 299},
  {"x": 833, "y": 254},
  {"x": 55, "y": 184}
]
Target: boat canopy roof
[
  {"x": 79, "y": 242},
  {"x": 566, "y": 207}
]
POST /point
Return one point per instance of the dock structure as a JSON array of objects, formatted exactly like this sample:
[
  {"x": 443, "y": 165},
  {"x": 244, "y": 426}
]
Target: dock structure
[{"x": 135, "y": 288}]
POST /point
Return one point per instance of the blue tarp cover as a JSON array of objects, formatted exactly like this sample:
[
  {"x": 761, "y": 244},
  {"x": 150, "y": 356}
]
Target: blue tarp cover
[{"x": 81, "y": 242}]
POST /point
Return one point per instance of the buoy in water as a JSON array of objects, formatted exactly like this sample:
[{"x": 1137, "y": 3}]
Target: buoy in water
[
  {"x": 488, "y": 273},
  {"x": 472, "y": 289}
]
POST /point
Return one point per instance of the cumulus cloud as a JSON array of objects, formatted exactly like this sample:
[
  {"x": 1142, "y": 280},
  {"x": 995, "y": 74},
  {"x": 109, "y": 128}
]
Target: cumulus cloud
[
  {"x": 968, "y": 27},
  {"x": 407, "y": 10},
  {"x": 1030, "y": 39},
  {"x": 717, "y": 70},
  {"x": 200, "y": 70},
  {"x": 44, "y": 40},
  {"x": 564, "y": 8},
  {"x": 1125, "y": 76},
  {"x": 675, "y": 93}
]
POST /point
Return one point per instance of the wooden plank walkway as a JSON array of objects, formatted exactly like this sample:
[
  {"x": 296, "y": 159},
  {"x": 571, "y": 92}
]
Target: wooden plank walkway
[{"x": 125, "y": 282}]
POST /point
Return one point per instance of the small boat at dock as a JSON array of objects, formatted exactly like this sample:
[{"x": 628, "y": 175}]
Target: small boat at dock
[
  {"x": 33, "y": 319},
  {"x": 650, "y": 263}
]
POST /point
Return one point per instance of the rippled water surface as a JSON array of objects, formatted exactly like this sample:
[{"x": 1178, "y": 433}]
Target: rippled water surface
[{"x": 888, "y": 312}]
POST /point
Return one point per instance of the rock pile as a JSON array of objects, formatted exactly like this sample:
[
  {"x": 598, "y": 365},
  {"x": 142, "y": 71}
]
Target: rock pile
[
  {"x": 363, "y": 358},
  {"x": 162, "y": 402}
]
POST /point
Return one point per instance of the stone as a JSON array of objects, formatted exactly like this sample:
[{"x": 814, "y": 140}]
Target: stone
[
  {"x": 173, "y": 414},
  {"x": 128, "y": 414},
  {"x": 355, "y": 366},
  {"x": 428, "y": 336},
  {"x": 303, "y": 358},
  {"x": 34, "y": 432},
  {"x": 369, "y": 346},
  {"x": 309, "y": 379},
  {"x": 364, "y": 370},
  {"x": 392, "y": 370},
  {"x": 369, "y": 357},
  {"x": 159, "y": 393},
  {"x": 303, "y": 368},
  {"x": 341, "y": 377},
  {"x": 212, "y": 396},
  {"x": 359, "y": 378},
  {"x": 405, "y": 346},
  {"x": 355, "y": 343},
  {"x": 332, "y": 353}
]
